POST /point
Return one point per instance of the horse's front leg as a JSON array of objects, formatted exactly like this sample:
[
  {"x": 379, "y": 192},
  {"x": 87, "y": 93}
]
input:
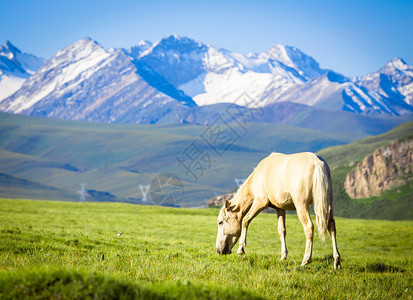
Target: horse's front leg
[
  {"x": 255, "y": 209},
  {"x": 242, "y": 241}
]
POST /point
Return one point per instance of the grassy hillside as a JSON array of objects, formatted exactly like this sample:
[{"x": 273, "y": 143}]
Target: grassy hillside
[
  {"x": 335, "y": 121},
  {"x": 55, "y": 156},
  {"x": 72, "y": 250},
  {"x": 396, "y": 204},
  {"x": 356, "y": 151}
]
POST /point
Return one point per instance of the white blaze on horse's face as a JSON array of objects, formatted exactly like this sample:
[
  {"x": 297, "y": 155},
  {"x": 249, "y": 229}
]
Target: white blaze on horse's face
[{"x": 229, "y": 230}]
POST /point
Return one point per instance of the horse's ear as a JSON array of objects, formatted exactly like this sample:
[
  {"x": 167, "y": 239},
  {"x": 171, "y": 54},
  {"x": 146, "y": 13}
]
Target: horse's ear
[
  {"x": 230, "y": 207},
  {"x": 234, "y": 208}
]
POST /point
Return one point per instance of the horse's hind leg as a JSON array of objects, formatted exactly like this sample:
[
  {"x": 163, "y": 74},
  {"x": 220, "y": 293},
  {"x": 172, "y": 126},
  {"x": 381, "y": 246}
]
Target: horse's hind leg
[
  {"x": 304, "y": 216},
  {"x": 332, "y": 230},
  {"x": 282, "y": 232}
]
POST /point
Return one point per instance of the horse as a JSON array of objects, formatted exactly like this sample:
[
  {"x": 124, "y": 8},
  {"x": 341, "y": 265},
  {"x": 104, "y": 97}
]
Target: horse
[{"x": 284, "y": 182}]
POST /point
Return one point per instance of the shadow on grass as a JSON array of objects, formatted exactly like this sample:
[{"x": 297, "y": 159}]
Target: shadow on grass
[
  {"x": 380, "y": 267},
  {"x": 64, "y": 284}
]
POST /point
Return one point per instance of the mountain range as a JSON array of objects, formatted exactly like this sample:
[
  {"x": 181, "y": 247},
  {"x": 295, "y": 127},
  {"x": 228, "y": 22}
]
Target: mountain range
[
  {"x": 15, "y": 68},
  {"x": 180, "y": 80}
]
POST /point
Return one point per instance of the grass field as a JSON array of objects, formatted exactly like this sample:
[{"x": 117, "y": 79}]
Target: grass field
[{"x": 72, "y": 250}]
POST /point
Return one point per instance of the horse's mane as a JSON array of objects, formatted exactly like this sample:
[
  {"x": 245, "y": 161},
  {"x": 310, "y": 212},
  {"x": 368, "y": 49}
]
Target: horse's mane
[{"x": 242, "y": 192}]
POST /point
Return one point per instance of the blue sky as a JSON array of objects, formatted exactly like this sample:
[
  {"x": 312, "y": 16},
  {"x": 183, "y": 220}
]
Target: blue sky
[{"x": 350, "y": 37}]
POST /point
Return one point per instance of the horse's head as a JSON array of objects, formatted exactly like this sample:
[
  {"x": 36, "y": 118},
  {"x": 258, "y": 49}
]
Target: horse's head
[{"x": 229, "y": 229}]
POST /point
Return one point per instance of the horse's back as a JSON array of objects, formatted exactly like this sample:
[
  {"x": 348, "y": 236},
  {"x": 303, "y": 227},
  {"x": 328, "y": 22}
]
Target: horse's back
[
  {"x": 283, "y": 166},
  {"x": 286, "y": 179}
]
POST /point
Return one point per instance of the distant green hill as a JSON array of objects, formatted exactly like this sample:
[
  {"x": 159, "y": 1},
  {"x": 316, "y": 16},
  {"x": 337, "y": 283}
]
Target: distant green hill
[
  {"x": 356, "y": 151},
  {"x": 49, "y": 159},
  {"x": 396, "y": 204}
]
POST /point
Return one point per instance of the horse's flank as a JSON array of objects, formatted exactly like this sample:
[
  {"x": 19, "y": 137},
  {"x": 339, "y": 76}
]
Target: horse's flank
[{"x": 281, "y": 180}]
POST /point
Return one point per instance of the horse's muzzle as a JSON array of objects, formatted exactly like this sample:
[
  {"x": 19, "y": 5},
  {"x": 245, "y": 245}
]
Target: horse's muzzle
[{"x": 224, "y": 251}]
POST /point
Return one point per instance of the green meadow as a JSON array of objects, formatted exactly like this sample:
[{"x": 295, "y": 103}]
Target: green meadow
[{"x": 66, "y": 250}]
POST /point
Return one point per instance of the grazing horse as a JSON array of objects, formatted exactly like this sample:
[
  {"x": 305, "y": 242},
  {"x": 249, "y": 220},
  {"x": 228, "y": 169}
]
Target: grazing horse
[{"x": 284, "y": 182}]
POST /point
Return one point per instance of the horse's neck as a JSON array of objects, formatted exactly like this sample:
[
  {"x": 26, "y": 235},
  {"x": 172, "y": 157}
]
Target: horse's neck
[{"x": 243, "y": 199}]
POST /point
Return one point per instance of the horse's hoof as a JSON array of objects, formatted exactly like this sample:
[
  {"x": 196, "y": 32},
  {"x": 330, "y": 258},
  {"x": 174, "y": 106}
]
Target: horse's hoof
[
  {"x": 283, "y": 256},
  {"x": 306, "y": 262},
  {"x": 337, "y": 265}
]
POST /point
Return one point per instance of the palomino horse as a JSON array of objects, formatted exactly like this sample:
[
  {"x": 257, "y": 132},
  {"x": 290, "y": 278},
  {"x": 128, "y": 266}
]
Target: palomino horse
[{"x": 284, "y": 182}]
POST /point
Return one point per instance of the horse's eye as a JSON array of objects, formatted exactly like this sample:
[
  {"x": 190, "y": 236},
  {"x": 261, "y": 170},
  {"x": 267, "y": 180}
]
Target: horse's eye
[{"x": 220, "y": 223}]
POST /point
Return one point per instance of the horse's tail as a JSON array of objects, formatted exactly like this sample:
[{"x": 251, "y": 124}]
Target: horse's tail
[{"x": 322, "y": 195}]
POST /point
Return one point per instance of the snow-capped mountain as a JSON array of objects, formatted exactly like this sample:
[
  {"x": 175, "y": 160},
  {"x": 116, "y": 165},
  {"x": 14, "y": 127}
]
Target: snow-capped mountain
[
  {"x": 393, "y": 83},
  {"x": 168, "y": 80},
  {"x": 15, "y": 68},
  {"x": 137, "y": 50},
  {"x": 86, "y": 82},
  {"x": 294, "y": 58},
  {"x": 388, "y": 91},
  {"x": 210, "y": 75}
]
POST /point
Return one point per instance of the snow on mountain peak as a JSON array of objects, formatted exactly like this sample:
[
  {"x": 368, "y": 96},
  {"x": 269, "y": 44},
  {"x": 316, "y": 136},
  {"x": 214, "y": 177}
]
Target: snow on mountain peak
[
  {"x": 12, "y": 60},
  {"x": 145, "y": 43},
  {"x": 178, "y": 43},
  {"x": 136, "y": 51},
  {"x": 398, "y": 61},
  {"x": 175, "y": 36},
  {"x": 82, "y": 55},
  {"x": 279, "y": 52},
  {"x": 183, "y": 70},
  {"x": 396, "y": 64},
  {"x": 393, "y": 83},
  {"x": 74, "y": 63},
  {"x": 9, "y": 50},
  {"x": 15, "y": 68},
  {"x": 212, "y": 75},
  {"x": 178, "y": 59},
  {"x": 81, "y": 47},
  {"x": 296, "y": 59},
  {"x": 86, "y": 82}
]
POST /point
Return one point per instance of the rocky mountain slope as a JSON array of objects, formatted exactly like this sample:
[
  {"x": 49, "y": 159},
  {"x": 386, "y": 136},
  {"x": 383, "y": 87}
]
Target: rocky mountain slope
[
  {"x": 387, "y": 168},
  {"x": 394, "y": 203}
]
